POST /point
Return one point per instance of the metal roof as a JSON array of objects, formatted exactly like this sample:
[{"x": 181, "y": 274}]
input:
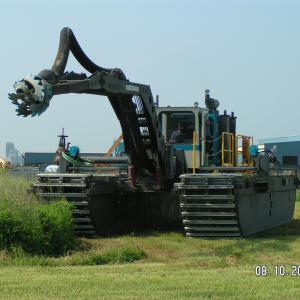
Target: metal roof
[{"x": 284, "y": 139}]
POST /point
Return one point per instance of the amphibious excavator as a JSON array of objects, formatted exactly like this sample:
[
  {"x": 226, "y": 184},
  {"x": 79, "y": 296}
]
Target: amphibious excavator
[{"x": 185, "y": 167}]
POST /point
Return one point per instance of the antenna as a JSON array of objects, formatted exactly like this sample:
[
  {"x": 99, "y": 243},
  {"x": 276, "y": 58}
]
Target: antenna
[{"x": 62, "y": 139}]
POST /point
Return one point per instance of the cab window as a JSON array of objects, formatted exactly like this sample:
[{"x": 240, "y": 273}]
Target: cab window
[{"x": 179, "y": 127}]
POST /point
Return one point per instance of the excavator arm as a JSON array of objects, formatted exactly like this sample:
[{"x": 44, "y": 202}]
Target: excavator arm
[{"x": 132, "y": 102}]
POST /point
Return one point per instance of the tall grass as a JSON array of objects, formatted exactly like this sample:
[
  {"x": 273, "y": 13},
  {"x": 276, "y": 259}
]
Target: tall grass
[
  {"x": 45, "y": 229},
  {"x": 32, "y": 233}
]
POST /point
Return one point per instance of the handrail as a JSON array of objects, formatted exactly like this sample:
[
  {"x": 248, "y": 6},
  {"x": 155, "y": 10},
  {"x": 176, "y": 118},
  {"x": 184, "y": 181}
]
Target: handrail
[
  {"x": 194, "y": 152},
  {"x": 229, "y": 149}
]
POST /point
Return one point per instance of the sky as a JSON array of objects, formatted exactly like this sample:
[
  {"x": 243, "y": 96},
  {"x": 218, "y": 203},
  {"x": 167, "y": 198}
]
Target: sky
[{"x": 246, "y": 52}]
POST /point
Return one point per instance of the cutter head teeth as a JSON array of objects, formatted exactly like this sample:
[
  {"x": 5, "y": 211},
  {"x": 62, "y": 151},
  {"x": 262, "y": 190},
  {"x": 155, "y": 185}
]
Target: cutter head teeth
[{"x": 32, "y": 95}]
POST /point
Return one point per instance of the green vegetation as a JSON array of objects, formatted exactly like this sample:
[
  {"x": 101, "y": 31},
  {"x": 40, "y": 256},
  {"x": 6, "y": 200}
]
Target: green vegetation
[
  {"x": 27, "y": 226},
  {"x": 157, "y": 265},
  {"x": 164, "y": 265},
  {"x": 84, "y": 255}
]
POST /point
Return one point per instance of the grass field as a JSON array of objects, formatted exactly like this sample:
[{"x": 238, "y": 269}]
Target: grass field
[
  {"x": 174, "y": 268},
  {"x": 158, "y": 266}
]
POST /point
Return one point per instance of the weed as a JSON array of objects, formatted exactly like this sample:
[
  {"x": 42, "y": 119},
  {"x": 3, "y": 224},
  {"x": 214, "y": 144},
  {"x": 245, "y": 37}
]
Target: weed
[{"x": 45, "y": 229}]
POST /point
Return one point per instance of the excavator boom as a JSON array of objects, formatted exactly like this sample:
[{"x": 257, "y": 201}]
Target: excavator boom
[{"x": 132, "y": 102}]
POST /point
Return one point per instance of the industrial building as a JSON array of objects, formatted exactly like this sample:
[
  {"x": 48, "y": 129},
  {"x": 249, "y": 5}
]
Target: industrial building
[
  {"x": 43, "y": 159},
  {"x": 286, "y": 149}
]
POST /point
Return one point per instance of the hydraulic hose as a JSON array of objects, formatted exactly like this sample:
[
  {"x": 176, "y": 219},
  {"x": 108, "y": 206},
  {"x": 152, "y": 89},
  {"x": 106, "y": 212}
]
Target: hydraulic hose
[
  {"x": 79, "y": 162},
  {"x": 69, "y": 43},
  {"x": 33, "y": 94}
]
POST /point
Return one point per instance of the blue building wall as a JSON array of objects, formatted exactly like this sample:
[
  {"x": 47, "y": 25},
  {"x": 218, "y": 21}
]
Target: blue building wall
[
  {"x": 286, "y": 147},
  {"x": 43, "y": 159},
  {"x": 36, "y": 158}
]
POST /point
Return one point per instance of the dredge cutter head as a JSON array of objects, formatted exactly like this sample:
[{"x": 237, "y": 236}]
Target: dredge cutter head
[{"x": 32, "y": 96}]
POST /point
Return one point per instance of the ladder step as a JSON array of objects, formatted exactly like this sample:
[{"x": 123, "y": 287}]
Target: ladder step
[
  {"x": 213, "y": 234},
  {"x": 143, "y": 123},
  {"x": 146, "y": 137},
  {"x": 81, "y": 226},
  {"x": 79, "y": 203},
  {"x": 211, "y": 228},
  {"x": 207, "y": 197},
  {"x": 207, "y": 205},
  {"x": 81, "y": 211},
  {"x": 83, "y": 220},
  {"x": 58, "y": 184},
  {"x": 141, "y": 115},
  {"x": 62, "y": 195},
  {"x": 206, "y": 186},
  {"x": 63, "y": 175},
  {"x": 210, "y": 222},
  {"x": 208, "y": 214}
]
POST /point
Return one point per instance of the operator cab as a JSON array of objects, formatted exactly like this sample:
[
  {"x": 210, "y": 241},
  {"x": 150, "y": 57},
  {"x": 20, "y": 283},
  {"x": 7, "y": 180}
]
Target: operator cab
[
  {"x": 181, "y": 126},
  {"x": 178, "y": 125}
]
